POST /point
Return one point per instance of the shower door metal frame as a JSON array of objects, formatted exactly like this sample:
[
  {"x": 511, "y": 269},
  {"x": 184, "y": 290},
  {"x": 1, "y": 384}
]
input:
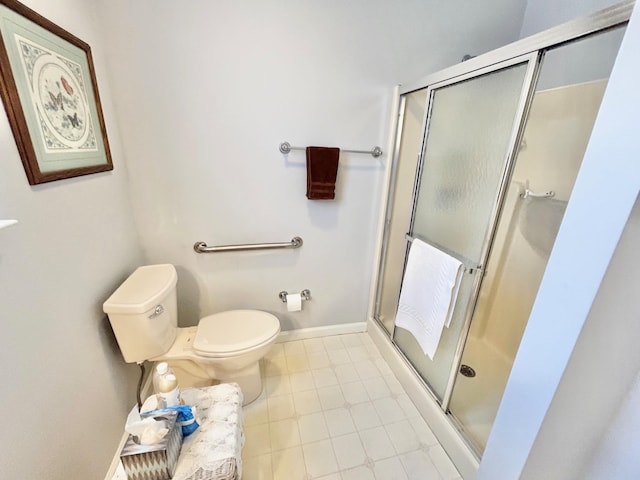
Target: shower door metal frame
[{"x": 607, "y": 19}]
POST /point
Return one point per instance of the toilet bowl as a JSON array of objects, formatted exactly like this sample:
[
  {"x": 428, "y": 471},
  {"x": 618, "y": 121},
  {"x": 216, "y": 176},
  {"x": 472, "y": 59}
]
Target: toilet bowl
[{"x": 224, "y": 347}]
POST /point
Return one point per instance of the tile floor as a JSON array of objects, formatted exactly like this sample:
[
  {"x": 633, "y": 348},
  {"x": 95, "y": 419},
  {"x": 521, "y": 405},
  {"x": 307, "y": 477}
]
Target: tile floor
[{"x": 332, "y": 409}]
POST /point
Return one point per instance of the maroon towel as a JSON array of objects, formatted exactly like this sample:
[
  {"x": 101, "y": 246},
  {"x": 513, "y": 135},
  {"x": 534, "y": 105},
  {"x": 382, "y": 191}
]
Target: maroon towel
[{"x": 322, "y": 170}]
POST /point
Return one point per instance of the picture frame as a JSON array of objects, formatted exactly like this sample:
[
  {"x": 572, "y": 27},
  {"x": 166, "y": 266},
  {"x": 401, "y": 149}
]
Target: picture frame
[{"x": 49, "y": 91}]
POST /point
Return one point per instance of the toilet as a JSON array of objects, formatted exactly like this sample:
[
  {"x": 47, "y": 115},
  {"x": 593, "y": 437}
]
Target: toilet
[{"x": 224, "y": 347}]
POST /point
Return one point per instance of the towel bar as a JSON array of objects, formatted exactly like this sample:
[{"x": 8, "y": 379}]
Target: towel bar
[
  {"x": 375, "y": 152},
  {"x": 468, "y": 265},
  {"x": 527, "y": 193},
  {"x": 531, "y": 194},
  {"x": 201, "y": 247},
  {"x": 7, "y": 223}
]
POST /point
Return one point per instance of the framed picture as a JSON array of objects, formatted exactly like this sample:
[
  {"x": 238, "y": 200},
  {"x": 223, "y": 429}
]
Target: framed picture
[{"x": 49, "y": 90}]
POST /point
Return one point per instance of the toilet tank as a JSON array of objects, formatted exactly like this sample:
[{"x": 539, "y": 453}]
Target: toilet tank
[{"x": 143, "y": 312}]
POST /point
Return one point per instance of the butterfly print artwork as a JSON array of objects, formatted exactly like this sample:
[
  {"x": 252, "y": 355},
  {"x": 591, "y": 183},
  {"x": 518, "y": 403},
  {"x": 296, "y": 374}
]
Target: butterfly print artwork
[
  {"x": 56, "y": 101},
  {"x": 75, "y": 122},
  {"x": 67, "y": 87}
]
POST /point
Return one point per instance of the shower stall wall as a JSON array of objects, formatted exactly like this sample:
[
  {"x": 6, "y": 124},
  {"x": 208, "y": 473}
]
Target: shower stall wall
[{"x": 485, "y": 159}]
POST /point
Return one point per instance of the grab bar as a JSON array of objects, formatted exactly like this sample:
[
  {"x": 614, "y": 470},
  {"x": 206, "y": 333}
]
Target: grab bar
[
  {"x": 375, "y": 152},
  {"x": 201, "y": 247}
]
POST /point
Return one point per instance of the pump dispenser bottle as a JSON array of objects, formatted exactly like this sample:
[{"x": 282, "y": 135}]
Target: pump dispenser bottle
[{"x": 165, "y": 386}]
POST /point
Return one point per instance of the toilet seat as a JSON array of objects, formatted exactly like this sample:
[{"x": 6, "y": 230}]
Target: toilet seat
[{"x": 233, "y": 332}]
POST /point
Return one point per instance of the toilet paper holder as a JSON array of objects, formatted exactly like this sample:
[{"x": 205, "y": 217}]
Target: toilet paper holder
[{"x": 305, "y": 294}]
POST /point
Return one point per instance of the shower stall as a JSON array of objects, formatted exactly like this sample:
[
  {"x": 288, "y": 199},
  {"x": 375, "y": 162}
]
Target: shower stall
[{"x": 486, "y": 155}]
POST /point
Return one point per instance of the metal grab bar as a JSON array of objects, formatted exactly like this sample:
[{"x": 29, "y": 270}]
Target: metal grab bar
[
  {"x": 201, "y": 247},
  {"x": 375, "y": 152}
]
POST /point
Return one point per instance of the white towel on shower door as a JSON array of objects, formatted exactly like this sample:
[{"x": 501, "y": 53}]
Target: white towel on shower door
[{"x": 429, "y": 290}]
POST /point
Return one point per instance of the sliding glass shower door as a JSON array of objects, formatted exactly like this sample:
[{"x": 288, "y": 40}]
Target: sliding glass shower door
[
  {"x": 486, "y": 178},
  {"x": 471, "y": 129},
  {"x": 570, "y": 87}
]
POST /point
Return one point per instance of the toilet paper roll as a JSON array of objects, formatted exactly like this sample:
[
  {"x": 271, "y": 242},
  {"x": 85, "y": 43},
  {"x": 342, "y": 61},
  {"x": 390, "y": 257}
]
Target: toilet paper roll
[{"x": 294, "y": 302}]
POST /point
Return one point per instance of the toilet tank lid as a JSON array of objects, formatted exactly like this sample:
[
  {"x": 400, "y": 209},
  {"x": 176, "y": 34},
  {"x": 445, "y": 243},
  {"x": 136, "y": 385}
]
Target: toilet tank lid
[{"x": 142, "y": 290}]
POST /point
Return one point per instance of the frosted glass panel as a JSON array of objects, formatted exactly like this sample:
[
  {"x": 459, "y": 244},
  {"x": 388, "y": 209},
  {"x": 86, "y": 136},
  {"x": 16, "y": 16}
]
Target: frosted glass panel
[
  {"x": 468, "y": 142},
  {"x": 465, "y": 154},
  {"x": 401, "y": 202},
  {"x": 436, "y": 372}
]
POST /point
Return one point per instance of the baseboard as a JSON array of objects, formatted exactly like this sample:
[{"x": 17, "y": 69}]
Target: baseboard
[
  {"x": 304, "y": 333},
  {"x": 459, "y": 452},
  {"x": 144, "y": 393}
]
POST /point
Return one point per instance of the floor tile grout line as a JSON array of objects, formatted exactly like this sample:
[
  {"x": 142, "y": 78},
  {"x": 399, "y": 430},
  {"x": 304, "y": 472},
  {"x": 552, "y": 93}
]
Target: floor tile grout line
[{"x": 381, "y": 374}]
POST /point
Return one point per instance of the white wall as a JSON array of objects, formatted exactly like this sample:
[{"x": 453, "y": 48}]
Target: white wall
[
  {"x": 207, "y": 90},
  {"x": 602, "y": 368},
  {"x": 605, "y": 191},
  {"x": 65, "y": 389},
  {"x": 612, "y": 457}
]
